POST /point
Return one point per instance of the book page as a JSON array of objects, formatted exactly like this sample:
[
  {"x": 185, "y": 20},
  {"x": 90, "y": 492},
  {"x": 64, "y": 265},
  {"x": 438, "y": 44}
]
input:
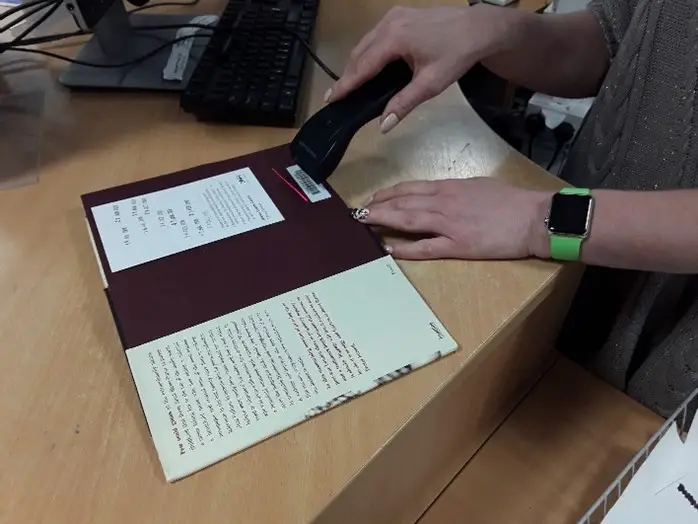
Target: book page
[
  {"x": 155, "y": 225},
  {"x": 217, "y": 388}
]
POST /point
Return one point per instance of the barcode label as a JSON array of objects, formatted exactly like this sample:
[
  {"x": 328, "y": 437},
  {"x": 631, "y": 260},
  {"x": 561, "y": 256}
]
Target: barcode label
[{"x": 315, "y": 192}]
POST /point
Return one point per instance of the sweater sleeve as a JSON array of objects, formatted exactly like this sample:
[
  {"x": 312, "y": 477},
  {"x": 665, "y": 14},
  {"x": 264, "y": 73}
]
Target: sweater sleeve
[{"x": 614, "y": 17}]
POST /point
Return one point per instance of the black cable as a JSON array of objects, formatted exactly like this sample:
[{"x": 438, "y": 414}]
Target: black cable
[
  {"x": 45, "y": 39},
  {"x": 316, "y": 58},
  {"x": 562, "y": 134},
  {"x": 172, "y": 26},
  {"x": 558, "y": 149},
  {"x": 562, "y": 162},
  {"x": 39, "y": 21},
  {"x": 102, "y": 66},
  {"x": 307, "y": 48},
  {"x": 298, "y": 37},
  {"x": 25, "y": 15},
  {"x": 22, "y": 7},
  {"x": 534, "y": 126},
  {"x": 162, "y": 4},
  {"x": 62, "y": 36}
]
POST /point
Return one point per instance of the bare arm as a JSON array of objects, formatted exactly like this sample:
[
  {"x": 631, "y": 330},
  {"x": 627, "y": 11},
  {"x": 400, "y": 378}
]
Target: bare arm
[
  {"x": 643, "y": 230},
  {"x": 557, "y": 54},
  {"x": 564, "y": 55}
]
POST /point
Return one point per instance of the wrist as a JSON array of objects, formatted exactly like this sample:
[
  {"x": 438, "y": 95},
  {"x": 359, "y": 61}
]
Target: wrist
[
  {"x": 502, "y": 26},
  {"x": 507, "y": 27},
  {"x": 538, "y": 239}
]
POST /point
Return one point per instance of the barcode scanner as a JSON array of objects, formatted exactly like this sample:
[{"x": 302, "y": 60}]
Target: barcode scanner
[{"x": 321, "y": 142}]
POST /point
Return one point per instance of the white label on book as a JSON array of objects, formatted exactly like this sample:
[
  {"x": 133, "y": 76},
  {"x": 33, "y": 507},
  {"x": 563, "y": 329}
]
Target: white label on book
[
  {"x": 314, "y": 191},
  {"x": 217, "y": 388},
  {"x": 179, "y": 56},
  {"x": 155, "y": 225}
]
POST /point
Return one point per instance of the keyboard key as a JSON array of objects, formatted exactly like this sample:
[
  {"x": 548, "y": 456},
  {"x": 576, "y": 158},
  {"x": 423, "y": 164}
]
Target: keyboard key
[
  {"x": 235, "y": 99},
  {"x": 286, "y": 104},
  {"x": 253, "y": 99},
  {"x": 294, "y": 15}
]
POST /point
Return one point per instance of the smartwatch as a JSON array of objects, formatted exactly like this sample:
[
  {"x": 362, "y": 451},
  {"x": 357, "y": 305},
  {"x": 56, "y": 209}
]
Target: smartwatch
[{"x": 568, "y": 222}]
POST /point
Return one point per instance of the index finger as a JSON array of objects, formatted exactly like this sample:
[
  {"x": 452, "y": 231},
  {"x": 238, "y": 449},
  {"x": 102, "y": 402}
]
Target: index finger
[{"x": 376, "y": 56}]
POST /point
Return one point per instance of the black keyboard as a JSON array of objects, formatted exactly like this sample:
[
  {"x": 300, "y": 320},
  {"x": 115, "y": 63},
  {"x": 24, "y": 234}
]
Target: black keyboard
[{"x": 251, "y": 71}]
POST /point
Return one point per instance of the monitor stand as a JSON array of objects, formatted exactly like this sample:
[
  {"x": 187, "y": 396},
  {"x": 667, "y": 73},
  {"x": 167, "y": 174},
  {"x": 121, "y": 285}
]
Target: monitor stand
[{"x": 117, "y": 39}]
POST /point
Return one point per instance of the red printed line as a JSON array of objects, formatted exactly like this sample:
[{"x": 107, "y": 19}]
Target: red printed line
[{"x": 290, "y": 185}]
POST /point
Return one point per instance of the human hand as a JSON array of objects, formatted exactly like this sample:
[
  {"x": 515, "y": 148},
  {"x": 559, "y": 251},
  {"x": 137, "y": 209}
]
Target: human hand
[
  {"x": 439, "y": 44},
  {"x": 477, "y": 218}
]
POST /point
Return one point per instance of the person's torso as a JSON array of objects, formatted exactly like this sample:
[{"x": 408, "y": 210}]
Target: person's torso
[
  {"x": 639, "y": 331},
  {"x": 641, "y": 131}
]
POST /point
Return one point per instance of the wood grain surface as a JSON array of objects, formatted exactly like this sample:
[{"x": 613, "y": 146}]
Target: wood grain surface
[{"x": 553, "y": 457}]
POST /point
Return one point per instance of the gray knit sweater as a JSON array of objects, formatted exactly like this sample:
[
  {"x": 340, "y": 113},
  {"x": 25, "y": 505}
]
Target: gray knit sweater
[{"x": 639, "y": 331}]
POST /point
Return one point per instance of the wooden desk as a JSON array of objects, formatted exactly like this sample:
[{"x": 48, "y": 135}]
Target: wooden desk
[
  {"x": 74, "y": 447},
  {"x": 552, "y": 458}
]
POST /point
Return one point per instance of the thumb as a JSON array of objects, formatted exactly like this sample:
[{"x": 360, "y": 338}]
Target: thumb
[{"x": 424, "y": 86}]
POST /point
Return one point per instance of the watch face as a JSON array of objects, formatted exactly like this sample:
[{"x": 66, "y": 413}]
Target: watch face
[{"x": 569, "y": 215}]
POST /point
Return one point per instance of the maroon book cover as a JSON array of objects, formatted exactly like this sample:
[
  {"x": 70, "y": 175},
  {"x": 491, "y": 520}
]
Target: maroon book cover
[{"x": 314, "y": 240}]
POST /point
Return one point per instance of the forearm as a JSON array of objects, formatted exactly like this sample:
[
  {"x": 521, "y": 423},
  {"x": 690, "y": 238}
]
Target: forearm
[
  {"x": 643, "y": 230},
  {"x": 560, "y": 55}
]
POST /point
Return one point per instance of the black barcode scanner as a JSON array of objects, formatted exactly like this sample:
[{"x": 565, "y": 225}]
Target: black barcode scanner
[{"x": 321, "y": 142}]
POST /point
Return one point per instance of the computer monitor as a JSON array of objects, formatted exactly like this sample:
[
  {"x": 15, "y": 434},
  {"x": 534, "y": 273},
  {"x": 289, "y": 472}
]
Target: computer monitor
[{"x": 123, "y": 38}]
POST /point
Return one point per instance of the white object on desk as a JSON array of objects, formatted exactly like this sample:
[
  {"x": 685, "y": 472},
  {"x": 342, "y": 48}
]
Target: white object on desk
[
  {"x": 664, "y": 488},
  {"x": 639, "y": 503},
  {"x": 557, "y": 110}
]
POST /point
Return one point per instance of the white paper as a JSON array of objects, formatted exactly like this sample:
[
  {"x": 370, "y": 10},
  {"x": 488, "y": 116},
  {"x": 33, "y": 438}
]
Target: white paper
[
  {"x": 676, "y": 504},
  {"x": 315, "y": 192},
  {"x": 685, "y": 463},
  {"x": 638, "y": 502},
  {"x": 217, "y": 388},
  {"x": 575, "y": 107},
  {"x": 155, "y": 225},
  {"x": 553, "y": 118},
  {"x": 179, "y": 56}
]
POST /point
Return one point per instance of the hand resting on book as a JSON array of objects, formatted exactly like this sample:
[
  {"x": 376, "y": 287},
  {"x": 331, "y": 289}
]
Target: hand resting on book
[{"x": 479, "y": 218}]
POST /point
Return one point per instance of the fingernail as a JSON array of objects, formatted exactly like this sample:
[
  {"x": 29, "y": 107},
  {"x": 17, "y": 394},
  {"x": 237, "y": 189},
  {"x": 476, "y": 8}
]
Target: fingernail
[
  {"x": 328, "y": 94},
  {"x": 388, "y": 249},
  {"x": 389, "y": 123}
]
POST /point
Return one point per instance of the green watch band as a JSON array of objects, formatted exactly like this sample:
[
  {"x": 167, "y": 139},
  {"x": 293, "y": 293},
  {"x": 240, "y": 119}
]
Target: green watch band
[
  {"x": 563, "y": 247},
  {"x": 575, "y": 191}
]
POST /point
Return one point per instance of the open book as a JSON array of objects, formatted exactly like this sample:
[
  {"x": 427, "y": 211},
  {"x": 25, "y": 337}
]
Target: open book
[{"x": 248, "y": 300}]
